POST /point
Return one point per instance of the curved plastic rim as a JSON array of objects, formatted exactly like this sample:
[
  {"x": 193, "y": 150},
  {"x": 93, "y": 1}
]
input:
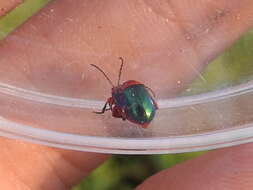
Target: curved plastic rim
[
  {"x": 189, "y": 143},
  {"x": 205, "y": 141},
  {"x": 163, "y": 104}
]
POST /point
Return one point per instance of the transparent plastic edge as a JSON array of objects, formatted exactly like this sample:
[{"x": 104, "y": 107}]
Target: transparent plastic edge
[
  {"x": 163, "y": 104},
  {"x": 126, "y": 145}
]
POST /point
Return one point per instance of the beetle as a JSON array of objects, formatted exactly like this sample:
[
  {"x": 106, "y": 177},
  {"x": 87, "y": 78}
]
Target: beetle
[{"x": 130, "y": 100}]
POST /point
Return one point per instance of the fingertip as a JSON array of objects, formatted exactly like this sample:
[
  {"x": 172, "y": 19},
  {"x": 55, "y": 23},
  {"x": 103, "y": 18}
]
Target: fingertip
[{"x": 228, "y": 168}]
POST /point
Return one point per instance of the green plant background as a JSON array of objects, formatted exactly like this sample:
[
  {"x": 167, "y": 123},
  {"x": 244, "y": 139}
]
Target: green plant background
[{"x": 125, "y": 172}]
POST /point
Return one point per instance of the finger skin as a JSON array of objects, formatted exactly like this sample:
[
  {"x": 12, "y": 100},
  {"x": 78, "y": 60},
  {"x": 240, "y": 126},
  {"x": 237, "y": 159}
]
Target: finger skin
[
  {"x": 224, "y": 169},
  {"x": 52, "y": 51},
  {"x": 67, "y": 37},
  {"x": 7, "y": 5},
  {"x": 28, "y": 166}
]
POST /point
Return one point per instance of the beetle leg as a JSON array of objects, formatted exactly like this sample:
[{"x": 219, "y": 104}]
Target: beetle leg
[
  {"x": 123, "y": 114},
  {"x": 110, "y": 102},
  {"x": 117, "y": 112},
  {"x": 103, "y": 110}
]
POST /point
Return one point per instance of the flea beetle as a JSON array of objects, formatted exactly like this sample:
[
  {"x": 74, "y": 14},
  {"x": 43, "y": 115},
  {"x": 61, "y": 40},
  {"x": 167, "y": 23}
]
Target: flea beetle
[{"x": 130, "y": 101}]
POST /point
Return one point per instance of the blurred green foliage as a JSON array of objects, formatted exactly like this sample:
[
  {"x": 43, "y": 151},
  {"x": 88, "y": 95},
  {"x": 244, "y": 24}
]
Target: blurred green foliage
[
  {"x": 16, "y": 17},
  {"x": 126, "y": 172},
  {"x": 231, "y": 68}
]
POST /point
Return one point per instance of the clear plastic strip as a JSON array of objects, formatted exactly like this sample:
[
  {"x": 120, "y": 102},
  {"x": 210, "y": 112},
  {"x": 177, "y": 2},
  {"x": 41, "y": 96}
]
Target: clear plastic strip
[{"x": 81, "y": 103}]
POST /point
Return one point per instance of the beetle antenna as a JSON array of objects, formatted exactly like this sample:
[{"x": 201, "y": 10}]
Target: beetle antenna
[
  {"x": 120, "y": 70},
  {"x": 103, "y": 73}
]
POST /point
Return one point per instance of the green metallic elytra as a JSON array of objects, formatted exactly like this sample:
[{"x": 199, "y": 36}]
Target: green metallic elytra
[{"x": 139, "y": 105}]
